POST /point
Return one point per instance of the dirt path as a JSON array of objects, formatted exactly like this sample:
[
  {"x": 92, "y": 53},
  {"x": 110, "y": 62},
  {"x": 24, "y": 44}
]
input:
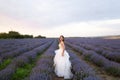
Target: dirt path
[
  {"x": 99, "y": 71},
  {"x": 57, "y": 78}
]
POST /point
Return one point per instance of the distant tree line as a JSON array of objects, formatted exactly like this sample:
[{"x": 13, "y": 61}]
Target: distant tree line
[
  {"x": 39, "y": 36},
  {"x": 17, "y": 35}
]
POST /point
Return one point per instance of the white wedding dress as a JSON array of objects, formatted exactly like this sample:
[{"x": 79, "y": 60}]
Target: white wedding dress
[{"x": 62, "y": 64}]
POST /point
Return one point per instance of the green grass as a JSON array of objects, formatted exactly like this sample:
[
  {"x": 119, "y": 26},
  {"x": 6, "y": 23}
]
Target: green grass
[
  {"x": 87, "y": 57},
  {"x": 22, "y": 72},
  {"x": 113, "y": 71},
  {"x": 5, "y": 63}
]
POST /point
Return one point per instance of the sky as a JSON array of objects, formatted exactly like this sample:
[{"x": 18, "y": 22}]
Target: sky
[{"x": 52, "y": 18}]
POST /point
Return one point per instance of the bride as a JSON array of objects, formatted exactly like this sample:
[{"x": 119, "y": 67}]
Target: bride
[{"x": 61, "y": 61}]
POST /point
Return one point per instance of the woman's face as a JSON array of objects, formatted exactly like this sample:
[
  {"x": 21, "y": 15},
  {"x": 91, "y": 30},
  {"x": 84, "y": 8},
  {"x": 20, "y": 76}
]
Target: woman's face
[{"x": 61, "y": 38}]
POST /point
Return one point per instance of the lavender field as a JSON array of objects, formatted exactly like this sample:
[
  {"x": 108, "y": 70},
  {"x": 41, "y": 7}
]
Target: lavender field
[{"x": 32, "y": 59}]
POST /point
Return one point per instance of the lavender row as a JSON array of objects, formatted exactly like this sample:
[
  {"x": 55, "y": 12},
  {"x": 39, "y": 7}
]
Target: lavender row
[
  {"x": 82, "y": 71},
  {"x": 109, "y": 44},
  {"x": 21, "y": 50},
  {"x": 10, "y": 45},
  {"x": 17, "y": 43},
  {"x": 21, "y": 60},
  {"x": 111, "y": 55},
  {"x": 109, "y": 66},
  {"x": 114, "y": 56},
  {"x": 44, "y": 66}
]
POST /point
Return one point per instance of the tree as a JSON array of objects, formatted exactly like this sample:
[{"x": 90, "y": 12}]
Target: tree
[
  {"x": 39, "y": 36},
  {"x": 14, "y": 35}
]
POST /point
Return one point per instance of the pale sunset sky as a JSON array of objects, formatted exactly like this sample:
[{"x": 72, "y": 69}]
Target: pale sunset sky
[{"x": 51, "y": 18}]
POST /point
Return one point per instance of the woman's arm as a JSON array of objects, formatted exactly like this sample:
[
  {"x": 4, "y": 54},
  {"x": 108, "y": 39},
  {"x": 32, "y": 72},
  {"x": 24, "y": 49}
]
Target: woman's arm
[{"x": 63, "y": 48}]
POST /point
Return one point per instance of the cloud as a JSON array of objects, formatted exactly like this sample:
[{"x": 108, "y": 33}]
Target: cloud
[
  {"x": 90, "y": 28},
  {"x": 7, "y": 24},
  {"x": 51, "y": 13},
  {"x": 84, "y": 28},
  {"x": 55, "y": 17}
]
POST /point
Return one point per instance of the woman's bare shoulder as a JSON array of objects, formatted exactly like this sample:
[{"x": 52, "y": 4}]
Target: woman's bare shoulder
[{"x": 62, "y": 42}]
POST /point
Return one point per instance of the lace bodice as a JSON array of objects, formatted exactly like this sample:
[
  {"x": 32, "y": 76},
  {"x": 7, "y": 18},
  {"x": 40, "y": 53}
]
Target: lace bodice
[{"x": 60, "y": 46}]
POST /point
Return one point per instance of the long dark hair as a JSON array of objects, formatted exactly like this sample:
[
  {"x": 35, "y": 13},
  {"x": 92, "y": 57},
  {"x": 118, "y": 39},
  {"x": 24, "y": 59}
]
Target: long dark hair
[{"x": 62, "y": 37}]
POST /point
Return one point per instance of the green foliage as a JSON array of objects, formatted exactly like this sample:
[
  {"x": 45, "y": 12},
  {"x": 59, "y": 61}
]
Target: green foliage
[
  {"x": 100, "y": 63},
  {"x": 22, "y": 72},
  {"x": 39, "y": 36},
  {"x": 27, "y": 36},
  {"x": 17, "y": 35},
  {"x": 3, "y": 35},
  {"x": 80, "y": 75},
  {"x": 87, "y": 57},
  {"x": 13, "y": 35},
  {"x": 113, "y": 71},
  {"x": 4, "y": 64}
]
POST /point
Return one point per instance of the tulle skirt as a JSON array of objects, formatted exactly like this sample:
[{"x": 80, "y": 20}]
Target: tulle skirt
[{"x": 62, "y": 64}]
